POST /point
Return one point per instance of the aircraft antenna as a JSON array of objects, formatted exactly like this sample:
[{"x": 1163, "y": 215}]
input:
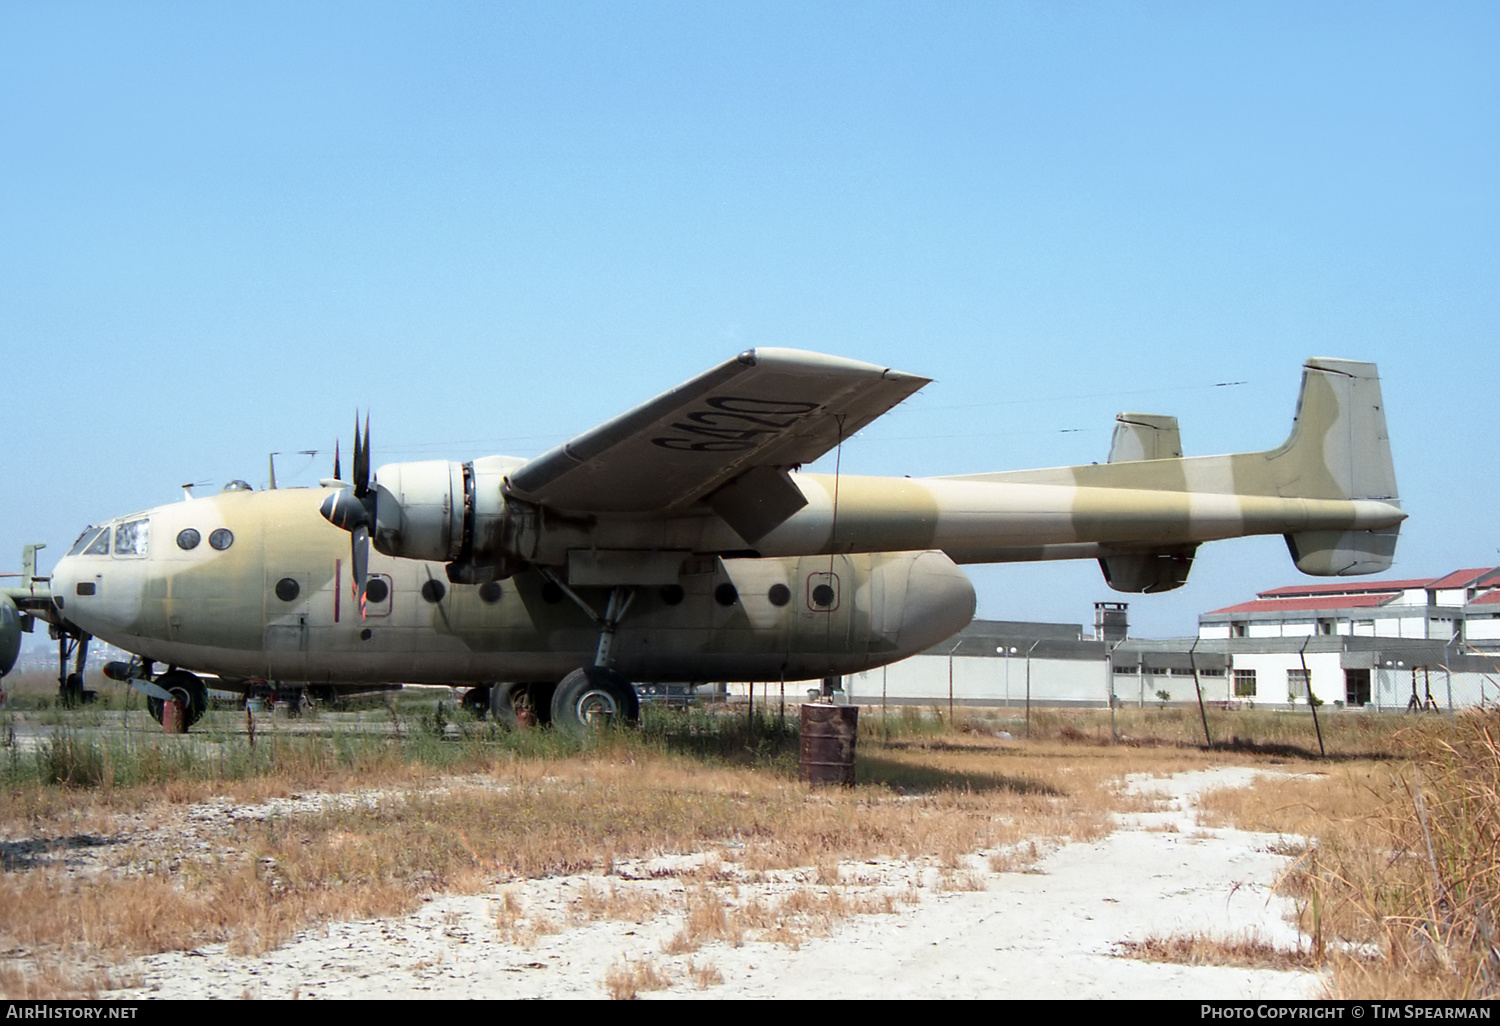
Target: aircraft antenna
[{"x": 833, "y": 530}]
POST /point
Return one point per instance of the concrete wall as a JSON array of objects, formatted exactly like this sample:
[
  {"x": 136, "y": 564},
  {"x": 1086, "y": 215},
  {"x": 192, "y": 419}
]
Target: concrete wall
[
  {"x": 1141, "y": 689},
  {"x": 980, "y": 681}
]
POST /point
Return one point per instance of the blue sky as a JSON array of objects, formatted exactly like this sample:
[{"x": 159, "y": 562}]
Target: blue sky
[{"x": 225, "y": 226}]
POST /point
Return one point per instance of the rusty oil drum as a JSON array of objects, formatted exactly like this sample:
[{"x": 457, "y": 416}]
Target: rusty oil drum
[{"x": 828, "y": 736}]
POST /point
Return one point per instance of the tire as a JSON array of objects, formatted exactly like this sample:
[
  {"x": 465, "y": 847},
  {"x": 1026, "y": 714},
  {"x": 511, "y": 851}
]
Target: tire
[
  {"x": 521, "y": 705},
  {"x": 71, "y": 694},
  {"x": 593, "y": 697},
  {"x": 476, "y": 701},
  {"x": 188, "y": 689}
]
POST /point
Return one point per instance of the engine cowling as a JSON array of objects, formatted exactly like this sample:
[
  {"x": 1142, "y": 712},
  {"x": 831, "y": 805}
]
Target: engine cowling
[
  {"x": 419, "y": 509},
  {"x": 10, "y": 634},
  {"x": 454, "y": 513}
]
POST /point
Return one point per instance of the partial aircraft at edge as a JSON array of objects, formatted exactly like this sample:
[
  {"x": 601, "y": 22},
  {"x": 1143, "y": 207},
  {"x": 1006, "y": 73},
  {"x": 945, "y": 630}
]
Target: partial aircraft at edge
[{"x": 677, "y": 542}]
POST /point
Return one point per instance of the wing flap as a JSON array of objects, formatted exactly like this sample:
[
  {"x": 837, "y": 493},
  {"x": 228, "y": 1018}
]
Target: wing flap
[{"x": 765, "y": 408}]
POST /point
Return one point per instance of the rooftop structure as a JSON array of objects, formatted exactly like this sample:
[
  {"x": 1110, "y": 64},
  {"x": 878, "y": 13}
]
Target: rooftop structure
[{"x": 1461, "y": 608}]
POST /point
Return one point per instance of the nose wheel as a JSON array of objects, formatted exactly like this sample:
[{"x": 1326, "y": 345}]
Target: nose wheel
[{"x": 189, "y": 690}]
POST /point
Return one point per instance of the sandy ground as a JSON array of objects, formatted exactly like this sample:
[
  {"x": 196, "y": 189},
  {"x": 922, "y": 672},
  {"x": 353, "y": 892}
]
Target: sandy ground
[{"x": 1052, "y": 931}]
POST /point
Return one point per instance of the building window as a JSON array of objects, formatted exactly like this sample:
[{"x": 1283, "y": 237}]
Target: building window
[
  {"x": 1357, "y": 687},
  {"x": 1236, "y": 630},
  {"x": 1296, "y": 684},
  {"x": 1244, "y": 683}
]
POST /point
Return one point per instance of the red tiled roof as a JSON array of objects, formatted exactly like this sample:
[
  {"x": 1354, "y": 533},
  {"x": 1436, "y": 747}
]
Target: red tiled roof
[
  {"x": 1489, "y": 598},
  {"x": 1291, "y": 605},
  {"x": 1460, "y": 578},
  {"x": 1344, "y": 588},
  {"x": 1456, "y": 579}
]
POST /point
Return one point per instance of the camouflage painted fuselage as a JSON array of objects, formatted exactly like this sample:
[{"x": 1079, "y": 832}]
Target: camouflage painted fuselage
[{"x": 277, "y": 603}]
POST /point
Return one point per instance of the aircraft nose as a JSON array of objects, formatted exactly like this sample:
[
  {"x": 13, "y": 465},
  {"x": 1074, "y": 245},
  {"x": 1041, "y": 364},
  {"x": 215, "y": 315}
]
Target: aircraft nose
[
  {"x": 64, "y": 580},
  {"x": 939, "y": 603}
]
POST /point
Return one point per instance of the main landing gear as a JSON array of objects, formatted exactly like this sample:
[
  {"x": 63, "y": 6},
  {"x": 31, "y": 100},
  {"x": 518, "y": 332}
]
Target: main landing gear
[
  {"x": 590, "y": 696},
  {"x": 594, "y": 696},
  {"x": 71, "y": 644},
  {"x": 522, "y": 705}
]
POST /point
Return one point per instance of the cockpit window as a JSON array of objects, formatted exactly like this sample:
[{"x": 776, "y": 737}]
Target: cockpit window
[
  {"x": 133, "y": 538},
  {"x": 88, "y": 535},
  {"x": 100, "y": 545}
]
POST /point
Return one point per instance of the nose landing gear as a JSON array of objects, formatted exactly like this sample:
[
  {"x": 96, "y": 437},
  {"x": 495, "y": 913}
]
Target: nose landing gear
[{"x": 187, "y": 689}]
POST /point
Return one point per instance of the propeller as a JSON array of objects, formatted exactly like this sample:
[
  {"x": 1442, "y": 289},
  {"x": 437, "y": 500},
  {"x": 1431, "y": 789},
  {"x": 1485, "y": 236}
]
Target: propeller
[{"x": 353, "y": 508}]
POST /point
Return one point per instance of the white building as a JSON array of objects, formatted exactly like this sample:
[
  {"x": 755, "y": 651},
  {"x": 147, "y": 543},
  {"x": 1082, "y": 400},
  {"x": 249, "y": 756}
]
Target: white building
[
  {"x": 1353, "y": 643},
  {"x": 1361, "y": 642}
]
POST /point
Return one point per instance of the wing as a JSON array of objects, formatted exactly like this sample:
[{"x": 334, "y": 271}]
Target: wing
[{"x": 758, "y": 414}]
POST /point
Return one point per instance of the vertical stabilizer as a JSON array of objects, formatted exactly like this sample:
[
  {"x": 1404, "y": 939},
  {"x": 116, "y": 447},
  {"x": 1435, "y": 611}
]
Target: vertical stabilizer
[
  {"x": 1339, "y": 449},
  {"x": 1145, "y": 436}
]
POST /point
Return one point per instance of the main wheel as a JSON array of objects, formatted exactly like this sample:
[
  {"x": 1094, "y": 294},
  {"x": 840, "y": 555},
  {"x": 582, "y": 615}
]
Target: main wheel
[
  {"x": 189, "y": 690},
  {"x": 592, "y": 697},
  {"x": 476, "y": 701},
  {"x": 522, "y": 705}
]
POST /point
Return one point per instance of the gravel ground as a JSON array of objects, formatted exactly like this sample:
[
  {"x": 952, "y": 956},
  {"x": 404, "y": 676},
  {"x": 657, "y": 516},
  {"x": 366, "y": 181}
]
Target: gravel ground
[{"x": 1053, "y": 930}]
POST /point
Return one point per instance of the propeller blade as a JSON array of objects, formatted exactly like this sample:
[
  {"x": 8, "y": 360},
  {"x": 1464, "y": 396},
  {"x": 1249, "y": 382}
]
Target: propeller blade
[
  {"x": 359, "y": 561},
  {"x": 361, "y": 459},
  {"x": 338, "y": 473}
]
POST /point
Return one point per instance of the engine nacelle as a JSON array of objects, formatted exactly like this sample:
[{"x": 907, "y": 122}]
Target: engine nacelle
[
  {"x": 420, "y": 509},
  {"x": 454, "y": 513},
  {"x": 10, "y": 634}
]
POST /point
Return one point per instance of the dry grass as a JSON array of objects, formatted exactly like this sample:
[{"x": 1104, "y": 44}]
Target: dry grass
[
  {"x": 1247, "y": 952},
  {"x": 627, "y": 978},
  {"x": 1423, "y": 876},
  {"x": 593, "y": 903},
  {"x": 705, "y": 975},
  {"x": 155, "y": 882},
  {"x": 519, "y": 927},
  {"x": 1398, "y": 889},
  {"x": 708, "y": 919},
  {"x": 19, "y": 983},
  {"x": 253, "y": 882},
  {"x": 123, "y": 869},
  {"x": 1015, "y": 858}
]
